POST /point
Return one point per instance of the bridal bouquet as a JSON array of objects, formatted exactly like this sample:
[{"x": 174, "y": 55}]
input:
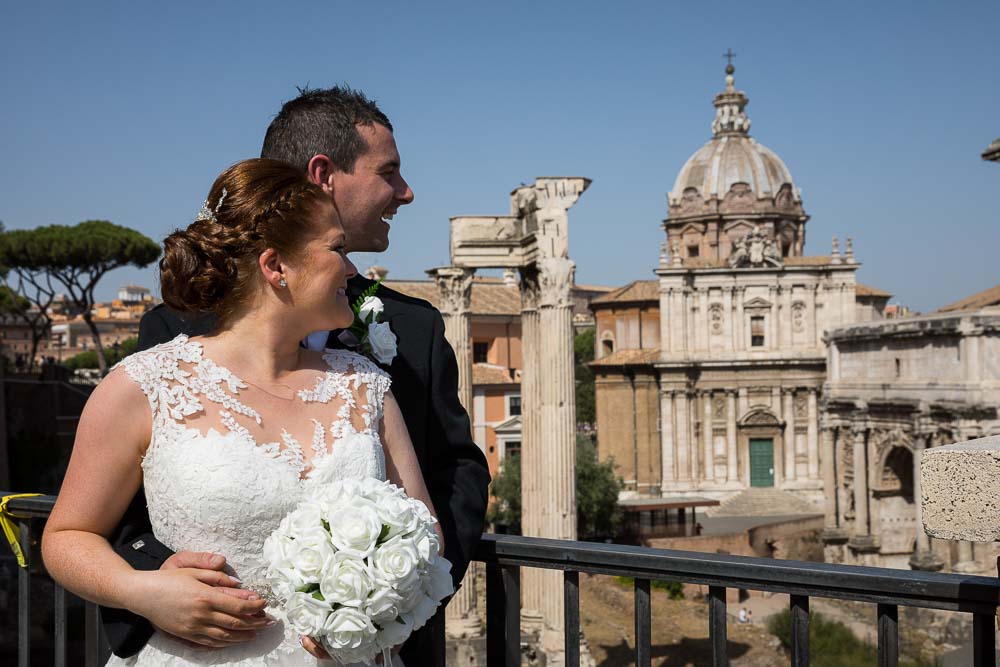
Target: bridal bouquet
[{"x": 358, "y": 568}]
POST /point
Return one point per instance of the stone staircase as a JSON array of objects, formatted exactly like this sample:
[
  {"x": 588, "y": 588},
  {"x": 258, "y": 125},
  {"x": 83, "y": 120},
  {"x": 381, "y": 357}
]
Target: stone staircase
[{"x": 763, "y": 502}]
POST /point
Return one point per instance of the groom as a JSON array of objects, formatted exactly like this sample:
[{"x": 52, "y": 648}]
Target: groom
[{"x": 345, "y": 144}]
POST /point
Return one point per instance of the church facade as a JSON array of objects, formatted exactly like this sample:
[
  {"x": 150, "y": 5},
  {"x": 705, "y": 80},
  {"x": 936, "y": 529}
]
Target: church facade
[{"x": 709, "y": 378}]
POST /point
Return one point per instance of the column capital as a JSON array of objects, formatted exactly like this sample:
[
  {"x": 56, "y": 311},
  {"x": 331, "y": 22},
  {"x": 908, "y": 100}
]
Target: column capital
[
  {"x": 555, "y": 281},
  {"x": 529, "y": 288},
  {"x": 454, "y": 285}
]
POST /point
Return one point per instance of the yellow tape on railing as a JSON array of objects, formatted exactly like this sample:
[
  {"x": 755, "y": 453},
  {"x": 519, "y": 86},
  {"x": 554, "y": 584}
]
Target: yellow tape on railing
[{"x": 10, "y": 529}]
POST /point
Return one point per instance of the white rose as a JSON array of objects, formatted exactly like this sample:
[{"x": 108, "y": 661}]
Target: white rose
[
  {"x": 395, "y": 631},
  {"x": 306, "y": 516},
  {"x": 307, "y": 614},
  {"x": 312, "y": 549},
  {"x": 396, "y": 562},
  {"x": 427, "y": 543},
  {"x": 423, "y": 610},
  {"x": 371, "y": 306},
  {"x": 382, "y": 341},
  {"x": 437, "y": 581},
  {"x": 396, "y": 512},
  {"x": 349, "y": 635},
  {"x": 382, "y": 605},
  {"x": 346, "y": 581},
  {"x": 354, "y": 530}
]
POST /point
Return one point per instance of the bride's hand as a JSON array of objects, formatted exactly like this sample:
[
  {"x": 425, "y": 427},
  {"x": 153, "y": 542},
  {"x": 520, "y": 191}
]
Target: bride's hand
[
  {"x": 313, "y": 648},
  {"x": 182, "y": 602}
]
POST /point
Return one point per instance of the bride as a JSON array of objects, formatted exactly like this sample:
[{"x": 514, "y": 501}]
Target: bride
[{"x": 230, "y": 431}]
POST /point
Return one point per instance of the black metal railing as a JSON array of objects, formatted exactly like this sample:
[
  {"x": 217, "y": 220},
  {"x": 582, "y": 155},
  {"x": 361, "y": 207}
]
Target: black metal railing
[
  {"x": 505, "y": 555},
  {"x": 889, "y": 589}
]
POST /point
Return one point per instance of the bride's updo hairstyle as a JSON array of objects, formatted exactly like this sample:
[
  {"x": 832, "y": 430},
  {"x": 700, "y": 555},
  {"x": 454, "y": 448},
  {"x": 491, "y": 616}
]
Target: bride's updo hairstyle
[{"x": 212, "y": 266}]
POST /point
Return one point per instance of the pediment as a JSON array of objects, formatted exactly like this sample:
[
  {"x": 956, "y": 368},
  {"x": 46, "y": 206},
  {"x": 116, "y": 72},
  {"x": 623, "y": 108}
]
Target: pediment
[
  {"x": 760, "y": 416},
  {"x": 756, "y": 302},
  {"x": 692, "y": 227}
]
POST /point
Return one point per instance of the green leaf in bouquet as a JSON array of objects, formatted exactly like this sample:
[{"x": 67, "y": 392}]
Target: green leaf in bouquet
[
  {"x": 307, "y": 588},
  {"x": 383, "y": 534},
  {"x": 318, "y": 596},
  {"x": 326, "y": 525}
]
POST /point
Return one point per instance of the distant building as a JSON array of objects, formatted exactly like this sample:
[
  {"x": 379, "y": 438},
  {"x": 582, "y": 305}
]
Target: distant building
[
  {"x": 708, "y": 378},
  {"x": 893, "y": 389}
]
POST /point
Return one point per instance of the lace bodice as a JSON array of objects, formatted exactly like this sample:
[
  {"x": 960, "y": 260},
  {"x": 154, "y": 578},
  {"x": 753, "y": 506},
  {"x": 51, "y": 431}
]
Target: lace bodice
[{"x": 214, "y": 479}]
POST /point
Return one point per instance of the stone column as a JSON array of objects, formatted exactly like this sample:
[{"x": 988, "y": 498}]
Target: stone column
[
  {"x": 829, "y": 482},
  {"x": 732, "y": 458},
  {"x": 706, "y": 436},
  {"x": 703, "y": 329},
  {"x": 740, "y": 328},
  {"x": 531, "y": 446},
  {"x": 668, "y": 455},
  {"x": 455, "y": 290},
  {"x": 786, "y": 316},
  {"x": 789, "y": 410},
  {"x": 771, "y": 341},
  {"x": 728, "y": 328},
  {"x": 558, "y": 427},
  {"x": 923, "y": 557},
  {"x": 812, "y": 438},
  {"x": 682, "y": 419},
  {"x": 966, "y": 558},
  {"x": 861, "y": 539}
]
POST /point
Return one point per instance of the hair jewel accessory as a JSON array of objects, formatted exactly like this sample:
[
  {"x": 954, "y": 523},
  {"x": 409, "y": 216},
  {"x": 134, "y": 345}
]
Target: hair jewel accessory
[{"x": 207, "y": 213}]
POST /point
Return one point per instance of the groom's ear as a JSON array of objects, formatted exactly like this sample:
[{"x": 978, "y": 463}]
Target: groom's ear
[{"x": 320, "y": 171}]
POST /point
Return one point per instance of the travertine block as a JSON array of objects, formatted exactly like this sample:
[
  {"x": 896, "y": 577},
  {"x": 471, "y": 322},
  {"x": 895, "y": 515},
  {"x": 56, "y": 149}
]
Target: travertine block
[{"x": 960, "y": 485}]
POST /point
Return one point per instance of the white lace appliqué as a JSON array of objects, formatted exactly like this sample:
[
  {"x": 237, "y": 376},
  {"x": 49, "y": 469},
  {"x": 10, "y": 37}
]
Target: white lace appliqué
[{"x": 211, "y": 486}]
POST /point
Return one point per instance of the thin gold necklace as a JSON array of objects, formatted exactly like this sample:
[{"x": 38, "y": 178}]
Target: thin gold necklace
[{"x": 269, "y": 393}]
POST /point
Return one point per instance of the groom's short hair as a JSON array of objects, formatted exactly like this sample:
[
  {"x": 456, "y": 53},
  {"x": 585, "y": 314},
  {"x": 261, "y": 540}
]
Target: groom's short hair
[{"x": 322, "y": 122}]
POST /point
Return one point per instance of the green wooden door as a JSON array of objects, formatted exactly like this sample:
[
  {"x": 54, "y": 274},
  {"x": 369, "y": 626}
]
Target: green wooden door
[{"x": 762, "y": 462}]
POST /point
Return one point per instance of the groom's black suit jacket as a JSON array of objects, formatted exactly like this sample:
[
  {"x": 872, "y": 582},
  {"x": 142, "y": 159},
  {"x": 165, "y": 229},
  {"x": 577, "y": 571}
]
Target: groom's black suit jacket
[{"x": 425, "y": 384}]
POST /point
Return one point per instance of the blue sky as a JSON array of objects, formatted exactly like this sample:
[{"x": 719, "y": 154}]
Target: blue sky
[{"x": 127, "y": 112}]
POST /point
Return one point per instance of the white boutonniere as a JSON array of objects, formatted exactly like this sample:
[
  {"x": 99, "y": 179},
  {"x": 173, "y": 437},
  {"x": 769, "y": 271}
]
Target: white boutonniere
[{"x": 376, "y": 337}]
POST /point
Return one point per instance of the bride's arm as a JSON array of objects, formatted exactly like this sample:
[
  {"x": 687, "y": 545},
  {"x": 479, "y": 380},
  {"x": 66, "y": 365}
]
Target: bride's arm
[
  {"x": 401, "y": 463},
  {"x": 103, "y": 475}
]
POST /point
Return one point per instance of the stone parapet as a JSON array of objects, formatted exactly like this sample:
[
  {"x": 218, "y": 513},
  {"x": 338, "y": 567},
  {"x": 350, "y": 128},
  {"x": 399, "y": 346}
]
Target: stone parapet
[{"x": 960, "y": 488}]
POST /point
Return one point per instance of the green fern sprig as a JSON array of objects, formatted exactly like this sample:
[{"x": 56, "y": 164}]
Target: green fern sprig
[{"x": 364, "y": 295}]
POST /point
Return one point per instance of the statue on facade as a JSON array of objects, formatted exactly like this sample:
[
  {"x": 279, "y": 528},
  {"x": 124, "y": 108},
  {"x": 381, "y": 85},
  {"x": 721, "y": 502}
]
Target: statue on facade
[{"x": 755, "y": 250}]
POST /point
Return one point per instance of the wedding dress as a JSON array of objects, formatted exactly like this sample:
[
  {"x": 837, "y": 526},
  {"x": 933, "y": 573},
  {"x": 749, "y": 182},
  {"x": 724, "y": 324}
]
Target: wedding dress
[{"x": 214, "y": 483}]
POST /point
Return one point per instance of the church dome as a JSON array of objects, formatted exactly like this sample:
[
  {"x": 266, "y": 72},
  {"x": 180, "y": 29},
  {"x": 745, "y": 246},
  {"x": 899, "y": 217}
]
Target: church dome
[{"x": 732, "y": 156}]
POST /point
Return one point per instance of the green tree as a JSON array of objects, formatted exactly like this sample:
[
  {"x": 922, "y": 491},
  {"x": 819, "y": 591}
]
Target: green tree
[
  {"x": 34, "y": 286},
  {"x": 506, "y": 488},
  {"x": 597, "y": 487},
  {"x": 583, "y": 353},
  {"x": 831, "y": 643},
  {"x": 76, "y": 257}
]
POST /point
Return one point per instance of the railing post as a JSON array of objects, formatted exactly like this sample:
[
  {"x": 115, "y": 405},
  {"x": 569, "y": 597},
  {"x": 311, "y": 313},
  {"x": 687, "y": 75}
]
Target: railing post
[
  {"x": 800, "y": 630},
  {"x": 888, "y": 635},
  {"x": 92, "y": 635},
  {"x": 717, "y": 625},
  {"x": 59, "y": 602},
  {"x": 571, "y": 604},
  {"x": 24, "y": 596},
  {"x": 984, "y": 649},
  {"x": 503, "y": 615},
  {"x": 643, "y": 618},
  {"x": 512, "y": 625}
]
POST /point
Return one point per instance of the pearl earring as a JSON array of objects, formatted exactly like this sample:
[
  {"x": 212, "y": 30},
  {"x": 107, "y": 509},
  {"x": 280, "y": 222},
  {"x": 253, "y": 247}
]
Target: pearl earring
[{"x": 282, "y": 283}]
